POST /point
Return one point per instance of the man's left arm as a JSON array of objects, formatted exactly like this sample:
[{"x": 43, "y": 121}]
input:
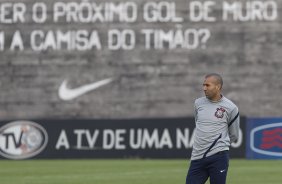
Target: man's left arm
[{"x": 234, "y": 125}]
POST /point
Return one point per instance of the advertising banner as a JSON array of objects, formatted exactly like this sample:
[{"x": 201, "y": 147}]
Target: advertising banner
[
  {"x": 122, "y": 138},
  {"x": 117, "y": 59},
  {"x": 264, "y": 138}
]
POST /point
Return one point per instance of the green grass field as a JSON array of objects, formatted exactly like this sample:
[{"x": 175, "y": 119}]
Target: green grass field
[{"x": 129, "y": 171}]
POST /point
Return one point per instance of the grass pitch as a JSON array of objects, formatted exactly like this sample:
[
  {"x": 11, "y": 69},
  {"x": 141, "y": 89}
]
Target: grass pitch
[{"x": 129, "y": 171}]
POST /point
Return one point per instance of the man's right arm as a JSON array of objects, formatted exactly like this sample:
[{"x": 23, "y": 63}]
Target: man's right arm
[{"x": 195, "y": 111}]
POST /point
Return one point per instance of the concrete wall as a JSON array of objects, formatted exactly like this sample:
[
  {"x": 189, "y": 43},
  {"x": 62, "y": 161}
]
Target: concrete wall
[{"x": 148, "y": 81}]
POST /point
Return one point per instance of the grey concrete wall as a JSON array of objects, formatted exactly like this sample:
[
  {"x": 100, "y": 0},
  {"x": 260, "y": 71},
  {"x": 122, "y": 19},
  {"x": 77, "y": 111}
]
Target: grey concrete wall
[{"x": 147, "y": 82}]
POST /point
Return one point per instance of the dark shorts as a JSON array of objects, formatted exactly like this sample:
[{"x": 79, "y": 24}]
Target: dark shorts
[{"x": 215, "y": 167}]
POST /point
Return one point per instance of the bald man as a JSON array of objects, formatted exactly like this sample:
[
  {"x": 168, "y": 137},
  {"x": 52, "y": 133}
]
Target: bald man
[{"x": 217, "y": 126}]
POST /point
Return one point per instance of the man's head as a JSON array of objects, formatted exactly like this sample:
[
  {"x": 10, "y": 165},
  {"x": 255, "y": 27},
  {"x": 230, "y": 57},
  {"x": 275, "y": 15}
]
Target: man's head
[{"x": 212, "y": 86}]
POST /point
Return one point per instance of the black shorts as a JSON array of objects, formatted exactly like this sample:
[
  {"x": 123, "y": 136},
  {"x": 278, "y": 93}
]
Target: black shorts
[{"x": 215, "y": 167}]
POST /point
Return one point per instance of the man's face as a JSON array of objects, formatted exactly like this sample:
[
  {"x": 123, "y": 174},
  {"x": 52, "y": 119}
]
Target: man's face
[{"x": 211, "y": 88}]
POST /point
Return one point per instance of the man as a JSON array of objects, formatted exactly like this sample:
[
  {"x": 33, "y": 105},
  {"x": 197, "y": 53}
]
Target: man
[{"x": 217, "y": 126}]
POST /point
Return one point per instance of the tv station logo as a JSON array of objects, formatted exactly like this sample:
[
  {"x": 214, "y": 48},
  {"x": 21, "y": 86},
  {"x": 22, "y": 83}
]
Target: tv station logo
[{"x": 22, "y": 139}]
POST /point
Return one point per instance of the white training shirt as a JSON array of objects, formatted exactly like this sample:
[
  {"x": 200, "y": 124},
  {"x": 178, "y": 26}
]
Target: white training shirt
[{"x": 217, "y": 125}]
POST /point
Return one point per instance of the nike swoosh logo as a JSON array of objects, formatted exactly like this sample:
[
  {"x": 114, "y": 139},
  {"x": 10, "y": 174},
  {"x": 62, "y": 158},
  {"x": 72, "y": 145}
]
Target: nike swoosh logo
[{"x": 66, "y": 93}]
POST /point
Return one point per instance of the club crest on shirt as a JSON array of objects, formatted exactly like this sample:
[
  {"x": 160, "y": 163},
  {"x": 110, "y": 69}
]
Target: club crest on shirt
[{"x": 219, "y": 113}]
